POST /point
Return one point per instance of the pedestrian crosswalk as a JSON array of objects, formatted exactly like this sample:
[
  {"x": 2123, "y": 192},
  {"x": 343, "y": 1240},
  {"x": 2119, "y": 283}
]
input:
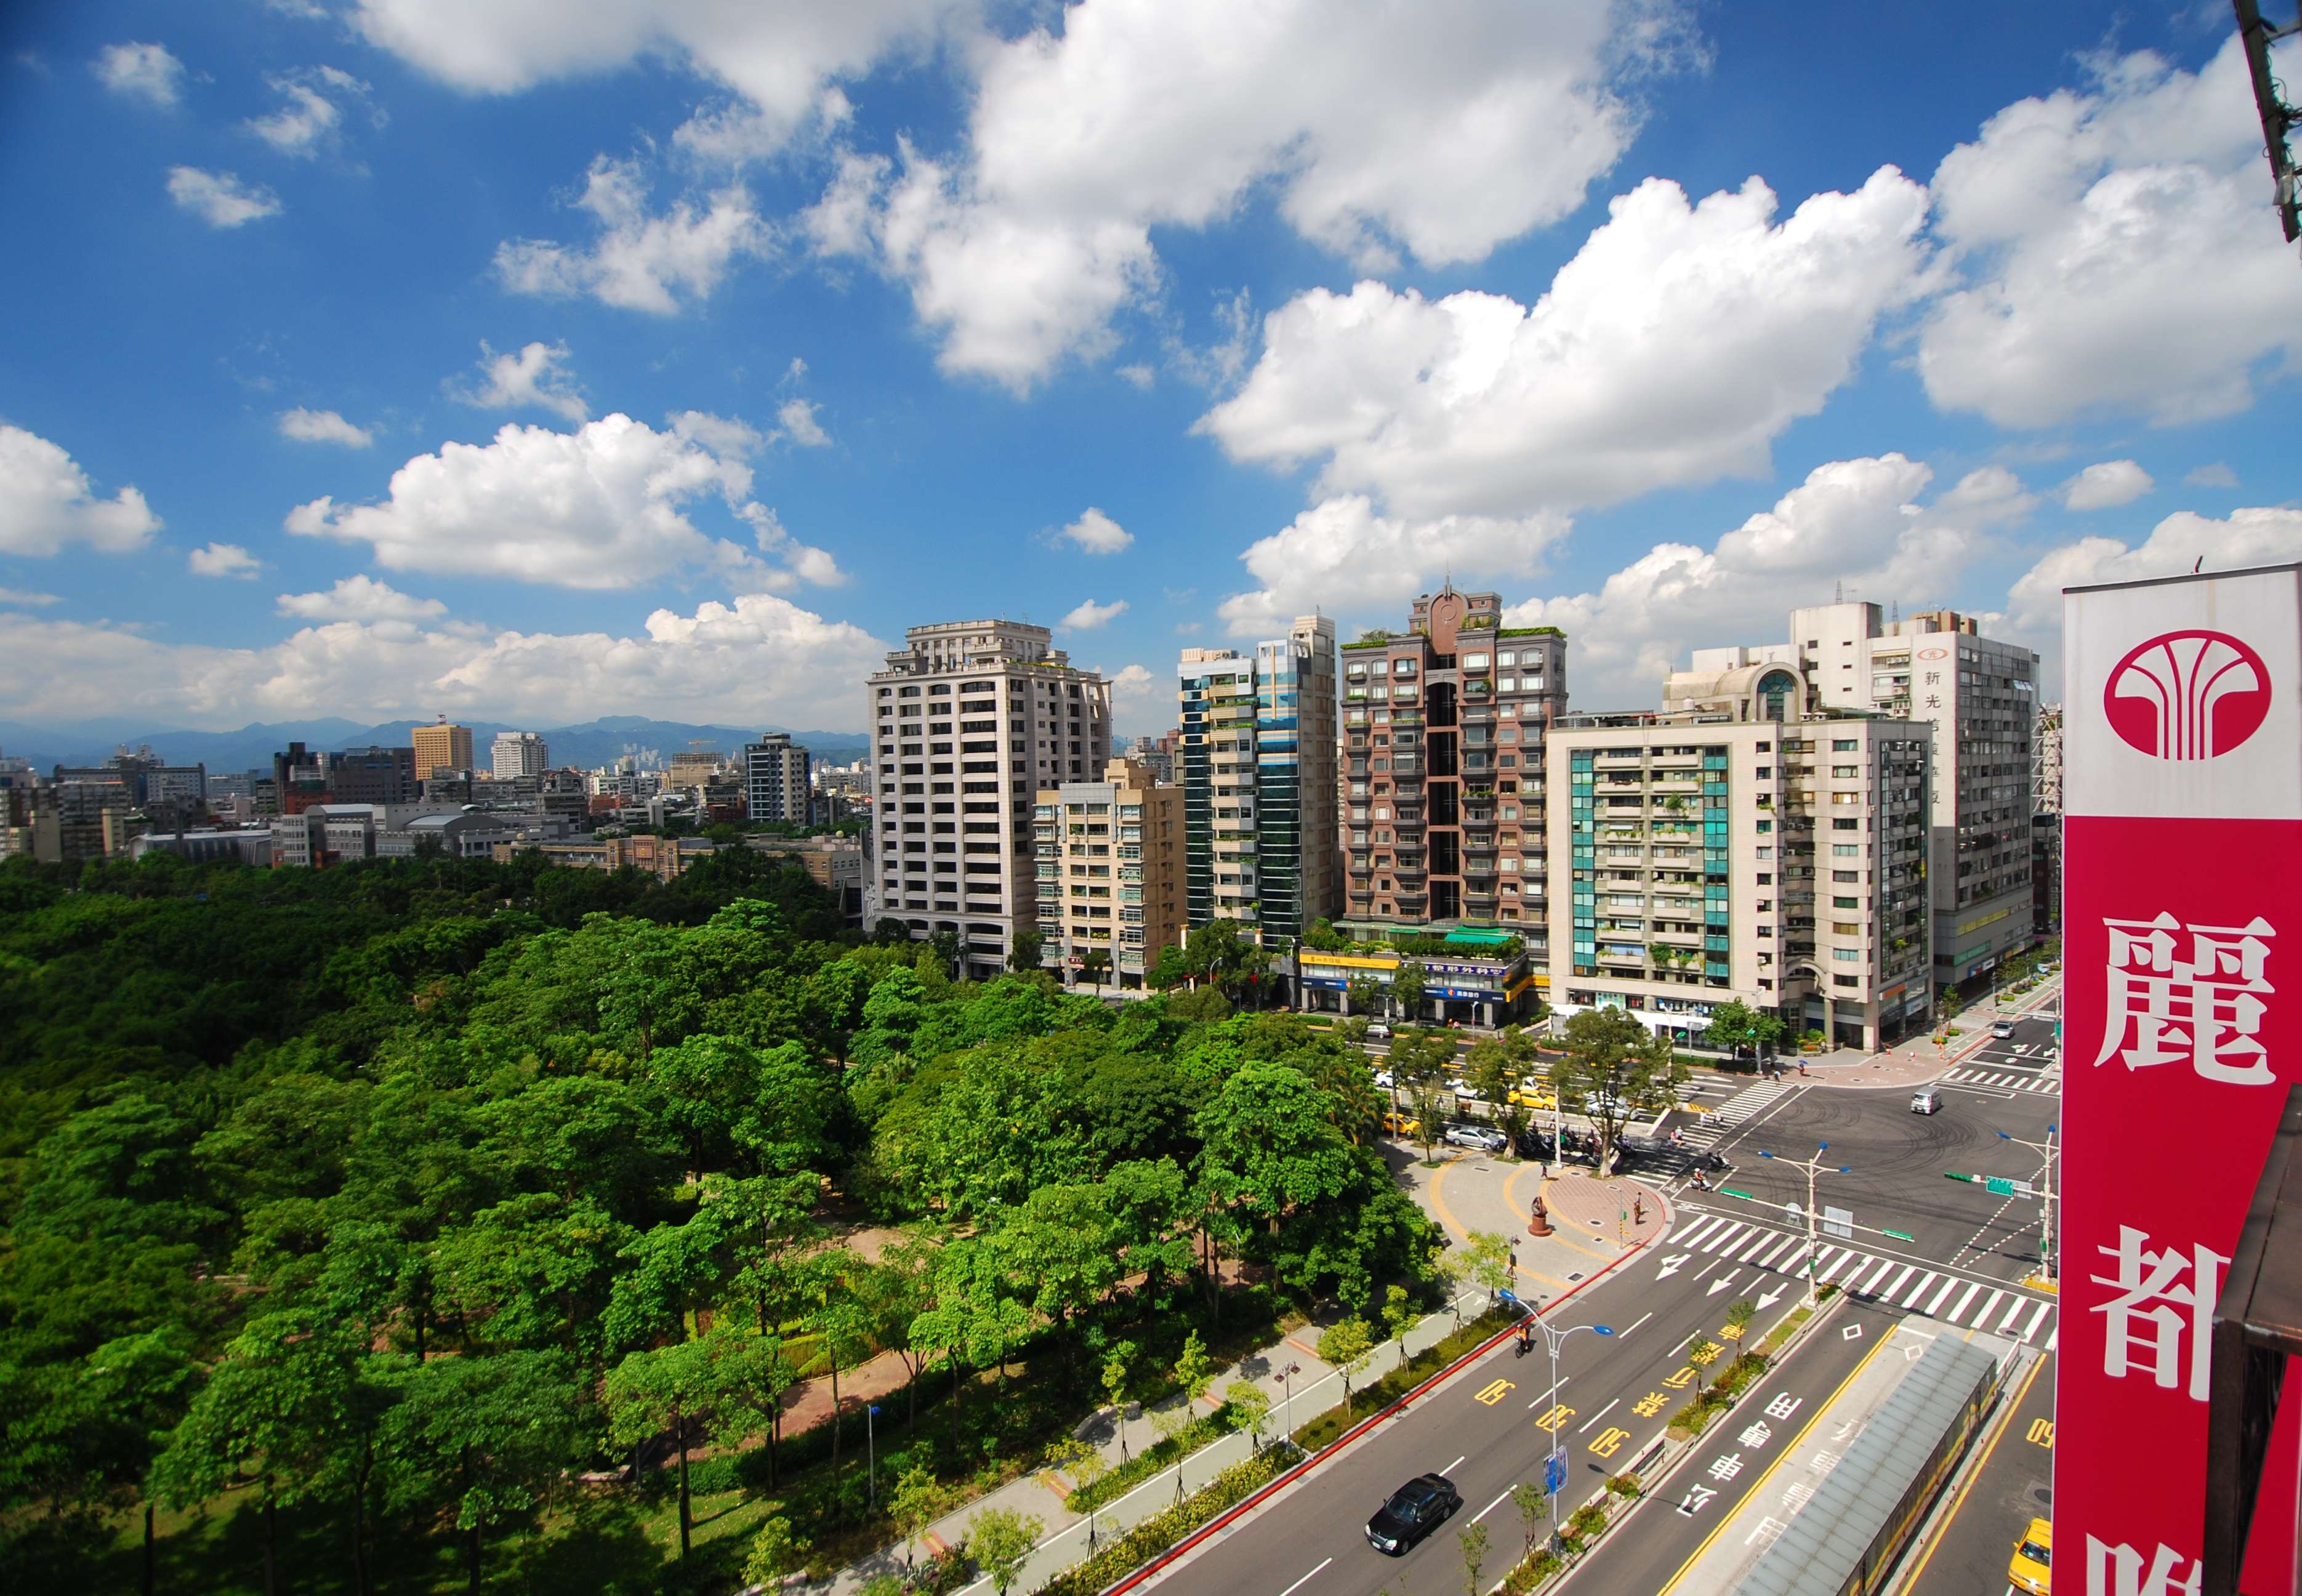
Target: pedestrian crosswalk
[
  {"x": 1937, "y": 1294},
  {"x": 2009, "y": 1080},
  {"x": 1751, "y": 1100}
]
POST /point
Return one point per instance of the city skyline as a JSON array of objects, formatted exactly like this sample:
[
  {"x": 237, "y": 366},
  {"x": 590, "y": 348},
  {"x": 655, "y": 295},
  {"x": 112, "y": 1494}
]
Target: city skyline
[{"x": 532, "y": 377}]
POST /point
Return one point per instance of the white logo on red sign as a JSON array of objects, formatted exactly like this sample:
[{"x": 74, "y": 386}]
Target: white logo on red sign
[{"x": 2188, "y": 695}]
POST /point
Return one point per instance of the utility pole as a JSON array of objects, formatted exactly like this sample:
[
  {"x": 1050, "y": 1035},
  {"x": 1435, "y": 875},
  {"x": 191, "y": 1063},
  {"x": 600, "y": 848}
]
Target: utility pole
[
  {"x": 1814, "y": 1167},
  {"x": 1552, "y": 1339},
  {"x": 2048, "y": 1259}
]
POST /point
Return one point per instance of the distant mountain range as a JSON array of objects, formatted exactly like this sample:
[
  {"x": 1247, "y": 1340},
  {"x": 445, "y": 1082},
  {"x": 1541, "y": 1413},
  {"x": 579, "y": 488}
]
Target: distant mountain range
[{"x": 251, "y": 748}]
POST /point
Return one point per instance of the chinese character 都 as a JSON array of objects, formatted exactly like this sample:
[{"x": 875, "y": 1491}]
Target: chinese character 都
[
  {"x": 2188, "y": 992},
  {"x": 1698, "y": 1496},
  {"x": 1649, "y": 1405},
  {"x": 1784, "y": 1406},
  {"x": 1727, "y": 1466},
  {"x": 1756, "y": 1433},
  {"x": 2152, "y": 1309},
  {"x": 2119, "y": 1571}
]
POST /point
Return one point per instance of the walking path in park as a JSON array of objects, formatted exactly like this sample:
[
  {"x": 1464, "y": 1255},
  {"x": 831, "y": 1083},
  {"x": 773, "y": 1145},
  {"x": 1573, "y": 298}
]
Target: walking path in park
[{"x": 1464, "y": 1194}]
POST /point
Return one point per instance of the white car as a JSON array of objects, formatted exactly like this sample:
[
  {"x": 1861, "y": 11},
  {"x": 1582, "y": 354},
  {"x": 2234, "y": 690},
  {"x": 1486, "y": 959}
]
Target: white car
[
  {"x": 1382, "y": 1077},
  {"x": 1377, "y": 1031},
  {"x": 1476, "y": 1136},
  {"x": 1464, "y": 1090}
]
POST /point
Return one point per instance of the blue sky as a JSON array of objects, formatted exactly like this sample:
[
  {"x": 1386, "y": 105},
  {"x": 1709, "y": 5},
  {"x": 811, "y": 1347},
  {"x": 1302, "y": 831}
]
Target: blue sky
[{"x": 532, "y": 363}]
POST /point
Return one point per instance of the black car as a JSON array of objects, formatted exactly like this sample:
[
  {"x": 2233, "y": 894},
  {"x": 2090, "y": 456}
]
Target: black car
[{"x": 1414, "y": 1510}]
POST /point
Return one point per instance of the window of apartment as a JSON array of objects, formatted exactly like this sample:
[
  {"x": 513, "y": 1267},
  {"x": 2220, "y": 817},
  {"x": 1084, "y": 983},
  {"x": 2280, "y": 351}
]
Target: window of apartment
[
  {"x": 1506, "y": 657},
  {"x": 1845, "y": 927},
  {"x": 1845, "y": 980},
  {"x": 1766, "y": 879},
  {"x": 1474, "y": 662},
  {"x": 1845, "y": 772},
  {"x": 1846, "y": 850},
  {"x": 1766, "y": 852},
  {"x": 1847, "y": 955},
  {"x": 1842, "y": 745},
  {"x": 1845, "y": 877},
  {"x": 1846, "y": 825},
  {"x": 1380, "y": 668}
]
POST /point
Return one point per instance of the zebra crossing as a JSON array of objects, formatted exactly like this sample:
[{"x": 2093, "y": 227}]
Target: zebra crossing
[
  {"x": 1937, "y": 1294},
  {"x": 2008, "y": 1081},
  {"x": 1751, "y": 1099}
]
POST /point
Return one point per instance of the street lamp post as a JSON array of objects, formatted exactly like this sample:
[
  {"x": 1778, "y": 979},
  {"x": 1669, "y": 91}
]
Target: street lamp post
[
  {"x": 1813, "y": 1167},
  {"x": 872, "y": 1451},
  {"x": 1287, "y": 1413},
  {"x": 1552, "y": 1339},
  {"x": 2048, "y": 1260}
]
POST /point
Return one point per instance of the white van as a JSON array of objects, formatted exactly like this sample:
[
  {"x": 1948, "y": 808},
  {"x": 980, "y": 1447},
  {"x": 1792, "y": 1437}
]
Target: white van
[{"x": 1927, "y": 1099}]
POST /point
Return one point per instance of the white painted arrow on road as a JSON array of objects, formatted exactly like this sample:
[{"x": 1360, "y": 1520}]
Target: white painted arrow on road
[
  {"x": 1772, "y": 1298},
  {"x": 1721, "y": 1284},
  {"x": 1672, "y": 1265}
]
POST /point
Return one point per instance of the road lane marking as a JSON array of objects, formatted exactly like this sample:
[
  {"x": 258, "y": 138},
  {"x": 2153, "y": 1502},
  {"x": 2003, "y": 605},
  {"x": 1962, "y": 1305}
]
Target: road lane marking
[
  {"x": 1759, "y": 1484},
  {"x": 1306, "y": 1580},
  {"x": 1934, "y": 1308},
  {"x": 1489, "y": 1508},
  {"x": 1546, "y": 1395},
  {"x": 2013, "y": 1312},
  {"x": 1641, "y": 1319},
  {"x": 1700, "y": 1229},
  {"x": 1555, "y": 1420},
  {"x": 2037, "y": 1319},
  {"x": 1920, "y": 1289},
  {"x": 1768, "y": 1261},
  {"x": 1958, "y": 1498},
  {"x": 1492, "y": 1392},
  {"x": 1595, "y": 1417},
  {"x": 1982, "y": 1315},
  {"x": 1870, "y": 1286},
  {"x": 1960, "y": 1308},
  {"x": 1845, "y": 1259},
  {"x": 1908, "y": 1271},
  {"x": 1764, "y": 1240},
  {"x": 1451, "y": 1467},
  {"x": 1724, "y": 1236}
]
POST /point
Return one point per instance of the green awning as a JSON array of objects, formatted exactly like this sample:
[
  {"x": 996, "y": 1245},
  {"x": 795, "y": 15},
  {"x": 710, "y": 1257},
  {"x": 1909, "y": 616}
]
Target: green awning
[{"x": 1480, "y": 939}]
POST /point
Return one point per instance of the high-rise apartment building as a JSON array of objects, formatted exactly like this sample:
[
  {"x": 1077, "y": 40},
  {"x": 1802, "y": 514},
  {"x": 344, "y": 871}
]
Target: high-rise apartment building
[
  {"x": 1111, "y": 870},
  {"x": 968, "y": 721},
  {"x": 1743, "y": 845},
  {"x": 1981, "y": 698},
  {"x": 518, "y": 753},
  {"x": 373, "y": 775},
  {"x": 777, "y": 783},
  {"x": 1256, "y": 767},
  {"x": 2046, "y": 823},
  {"x": 441, "y": 746},
  {"x": 1443, "y": 769}
]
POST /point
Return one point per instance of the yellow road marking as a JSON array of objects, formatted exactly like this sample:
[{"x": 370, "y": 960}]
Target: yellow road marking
[
  {"x": 2042, "y": 1433},
  {"x": 1958, "y": 1501},
  {"x": 1492, "y": 1392},
  {"x": 1781, "y": 1457},
  {"x": 1610, "y": 1442},
  {"x": 1557, "y": 1416}
]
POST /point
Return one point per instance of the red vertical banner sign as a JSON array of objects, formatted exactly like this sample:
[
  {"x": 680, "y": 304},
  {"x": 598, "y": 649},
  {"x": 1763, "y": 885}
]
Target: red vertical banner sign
[{"x": 2182, "y": 1028}]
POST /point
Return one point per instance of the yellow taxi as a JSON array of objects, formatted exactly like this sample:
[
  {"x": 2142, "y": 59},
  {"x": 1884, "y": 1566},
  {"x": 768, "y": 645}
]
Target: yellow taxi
[
  {"x": 1528, "y": 1095},
  {"x": 1400, "y": 1124},
  {"x": 2027, "y": 1570}
]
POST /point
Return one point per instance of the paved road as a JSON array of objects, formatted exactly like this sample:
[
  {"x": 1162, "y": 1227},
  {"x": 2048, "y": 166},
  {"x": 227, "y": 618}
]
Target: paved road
[
  {"x": 1486, "y": 1431},
  {"x": 1739, "y": 1458},
  {"x": 1968, "y": 1555}
]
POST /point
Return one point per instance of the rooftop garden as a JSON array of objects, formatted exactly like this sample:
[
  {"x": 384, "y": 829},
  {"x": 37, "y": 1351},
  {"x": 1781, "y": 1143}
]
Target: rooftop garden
[{"x": 1533, "y": 632}]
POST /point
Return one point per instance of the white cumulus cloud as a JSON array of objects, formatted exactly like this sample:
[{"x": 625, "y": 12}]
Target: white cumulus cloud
[
  {"x": 359, "y": 599},
  {"x": 796, "y": 417},
  {"x": 1098, "y": 534},
  {"x": 1088, "y": 615},
  {"x": 2183, "y": 540},
  {"x": 220, "y": 199},
  {"x": 224, "y": 559},
  {"x": 2214, "y": 476},
  {"x": 16, "y": 598},
  {"x": 2106, "y": 485},
  {"x": 312, "y": 111},
  {"x": 323, "y": 426},
  {"x": 147, "y": 73},
  {"x": 603, "y": 507},
  {"x": 1859, "y": 520},
  {"x": 536, "y": 375},
  {"x": 1672, "y": 350},
  {"x": 2119, "y": 250},
  {"x": 638, "y": 261},
  {"x": 46, "y": 502},
  {"x": 1343, "y": 556},
  {"x": 756, "y": 656}
]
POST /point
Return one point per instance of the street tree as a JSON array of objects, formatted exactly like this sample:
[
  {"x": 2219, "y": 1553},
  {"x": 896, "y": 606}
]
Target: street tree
[
  {"x": 662, "y": 1388},
  {"x": 1533, "y": 1506},
  {"x": 1024, "y": 949},
  {"x": 912, "y": 1502},
  {"x": 1346, "y": 1347},
  {"x": 1614, "y": 1067},
  {"x": 1398, "y": 1318},
  {"x": 1246, "y": 1405},
  {"x": 1474, "y": 1556},
  {"x": 1095, "y": 963},
  {"x": 1406, "y": 990},
  {"x": 999, "y": 1541}
]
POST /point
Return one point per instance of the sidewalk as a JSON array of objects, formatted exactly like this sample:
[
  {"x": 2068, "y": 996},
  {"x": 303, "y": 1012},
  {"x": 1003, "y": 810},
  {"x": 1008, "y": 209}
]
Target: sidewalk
[
  {"x": 1316, "y": 1386},
  {"x": 1917, "y": 1059}
]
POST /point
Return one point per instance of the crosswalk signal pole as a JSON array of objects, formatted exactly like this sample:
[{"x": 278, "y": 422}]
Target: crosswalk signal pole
[
  {"x": 1814, "y": 1168},
  {"x": 2047, "y": 1152}
]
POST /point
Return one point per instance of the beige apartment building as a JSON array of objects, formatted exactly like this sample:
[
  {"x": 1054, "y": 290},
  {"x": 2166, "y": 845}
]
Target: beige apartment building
[
  {"x": 1979, "y": 698},
  {"x": 1742, "y": 846},
  {"x": 1110, "y": 871},
  {"x": 441, "y": 746},
  {"x": 970, "y": 720}
]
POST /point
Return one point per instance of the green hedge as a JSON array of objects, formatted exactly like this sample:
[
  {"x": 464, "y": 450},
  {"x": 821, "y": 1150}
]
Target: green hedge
[
  {"x": 1151, "y": 1460},
  {"x": 1156, "y": 1533},
  {"x": 1368, "y": 1399}
]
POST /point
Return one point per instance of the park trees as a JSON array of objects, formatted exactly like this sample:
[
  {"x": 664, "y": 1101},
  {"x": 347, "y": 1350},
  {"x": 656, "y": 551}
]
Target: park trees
[{"x": 1613, "y": 1068}]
